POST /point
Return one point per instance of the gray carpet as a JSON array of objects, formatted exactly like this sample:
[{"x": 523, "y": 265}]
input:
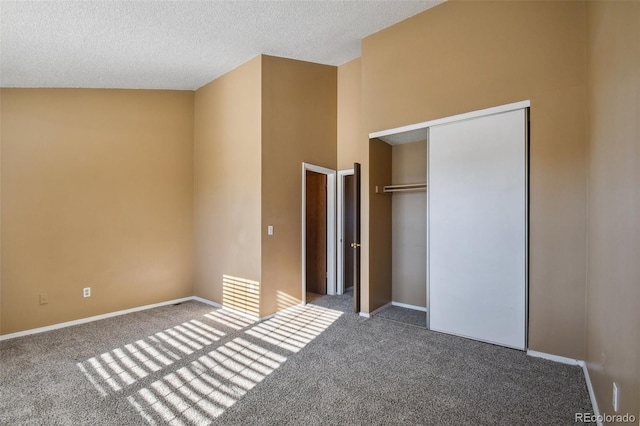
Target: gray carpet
[
  {"x": 403, "y": 315},
  {"x": 315, "y": 365}
]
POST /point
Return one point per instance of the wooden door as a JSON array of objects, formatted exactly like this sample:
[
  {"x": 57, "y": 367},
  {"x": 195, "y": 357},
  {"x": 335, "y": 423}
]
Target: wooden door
[
  {"x": 356, "y": 237},
  {"x": 316, "y": 232},
  {"x": 348, "y": 223}
]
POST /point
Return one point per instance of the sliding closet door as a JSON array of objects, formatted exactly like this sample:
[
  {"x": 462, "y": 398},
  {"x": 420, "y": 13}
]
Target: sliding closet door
[{"x": 477, "y": 222}]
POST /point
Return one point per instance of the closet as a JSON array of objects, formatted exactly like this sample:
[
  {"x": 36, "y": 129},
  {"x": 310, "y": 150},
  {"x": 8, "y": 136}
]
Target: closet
[
  {"x": 459, "y": 249},
  {"x": 407, "y": 193}
]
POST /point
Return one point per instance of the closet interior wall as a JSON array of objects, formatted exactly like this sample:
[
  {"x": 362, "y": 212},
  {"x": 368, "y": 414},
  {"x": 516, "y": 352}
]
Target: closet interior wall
[{"x": 409, "y": 221}]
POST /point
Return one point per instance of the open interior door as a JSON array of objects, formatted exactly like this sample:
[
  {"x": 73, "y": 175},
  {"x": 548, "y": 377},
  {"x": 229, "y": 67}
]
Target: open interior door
[{"x": 355, "y": 245}]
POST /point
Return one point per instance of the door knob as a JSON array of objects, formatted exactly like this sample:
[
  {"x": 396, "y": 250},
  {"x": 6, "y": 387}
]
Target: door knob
[{"x": 355, "y": 245}]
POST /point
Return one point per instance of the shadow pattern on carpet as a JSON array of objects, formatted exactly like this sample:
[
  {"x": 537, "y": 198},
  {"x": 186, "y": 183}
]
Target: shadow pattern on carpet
[{"x": 317, "y": 364}]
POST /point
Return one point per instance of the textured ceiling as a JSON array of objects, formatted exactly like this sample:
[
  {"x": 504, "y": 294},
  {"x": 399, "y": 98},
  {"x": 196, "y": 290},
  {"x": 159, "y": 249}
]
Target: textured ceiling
[
  {"x": 405, "y": 137},
  {"x": 177, "y": 44}
]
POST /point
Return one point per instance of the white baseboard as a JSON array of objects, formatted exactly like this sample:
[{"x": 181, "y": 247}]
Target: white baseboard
[
  {"x": 555, "y": 358},
  {"x": 91, "y": 319},
  {"x": 380, "y": 308},
  {"x": 244, "y": 314},
  {"x": 402, "y": 305},
  {"x": 207, "y": 301},
  {"x": 370, "y": 314},
  {"x": 408, "y": 306},
  {"x": 592, "y": 395},
  {"x": 129, "y": 311},
  {"x": 585, "y": 370},
  {"x": 123, "y": 312},
  {"x": 226, "y": 308}
]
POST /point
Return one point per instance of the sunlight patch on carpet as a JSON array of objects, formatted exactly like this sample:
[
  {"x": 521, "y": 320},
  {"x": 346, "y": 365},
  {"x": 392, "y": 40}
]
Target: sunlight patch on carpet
[
  {"x": 201, "y": 391},
  {"x": 124, "y": 366}
]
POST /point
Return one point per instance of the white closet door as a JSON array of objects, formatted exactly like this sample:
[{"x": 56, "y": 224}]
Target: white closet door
[{"x": 477, "y": 223}]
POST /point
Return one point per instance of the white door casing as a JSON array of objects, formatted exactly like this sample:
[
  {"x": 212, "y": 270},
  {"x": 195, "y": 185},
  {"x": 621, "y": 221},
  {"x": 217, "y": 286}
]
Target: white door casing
[{"x": 331, "y": 227}]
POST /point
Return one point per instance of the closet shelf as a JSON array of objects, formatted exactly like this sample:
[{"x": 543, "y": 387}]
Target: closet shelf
[{"x": 410, "y": 187}]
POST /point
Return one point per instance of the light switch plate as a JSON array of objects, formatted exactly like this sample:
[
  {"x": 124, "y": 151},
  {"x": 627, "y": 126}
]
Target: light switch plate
[{"x": 270, "y": 230}]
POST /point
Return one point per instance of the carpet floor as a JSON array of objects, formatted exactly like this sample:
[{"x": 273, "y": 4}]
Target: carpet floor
[
  {"x": 403, "y": 315},
  {"x": 319, "y": 364}
]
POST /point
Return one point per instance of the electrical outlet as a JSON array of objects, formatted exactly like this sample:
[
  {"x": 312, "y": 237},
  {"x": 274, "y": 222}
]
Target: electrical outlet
[
  {"x": 86, "y": 292},
  {"x": 616, "y": 397},
  {"x": 44, "y": 298}
]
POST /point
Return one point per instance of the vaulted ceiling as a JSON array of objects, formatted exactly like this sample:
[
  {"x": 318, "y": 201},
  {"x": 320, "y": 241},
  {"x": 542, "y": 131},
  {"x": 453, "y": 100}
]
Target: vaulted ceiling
[{"x": 177, "y": 44}]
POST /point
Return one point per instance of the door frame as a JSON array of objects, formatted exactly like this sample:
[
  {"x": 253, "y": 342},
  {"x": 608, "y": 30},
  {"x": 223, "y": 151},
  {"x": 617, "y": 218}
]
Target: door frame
[
  {"x": 340, "y": 247},
  {"x": 331, "y": 227}
]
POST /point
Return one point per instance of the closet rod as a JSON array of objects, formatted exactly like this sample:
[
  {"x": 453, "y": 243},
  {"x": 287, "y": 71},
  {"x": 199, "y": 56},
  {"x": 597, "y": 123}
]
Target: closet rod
[{"x": 402, "y": 188}]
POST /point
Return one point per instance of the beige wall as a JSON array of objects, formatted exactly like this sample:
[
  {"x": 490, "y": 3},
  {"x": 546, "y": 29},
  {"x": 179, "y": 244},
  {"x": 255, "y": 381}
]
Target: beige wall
[
  {"x": 97, "y": 192},
  {"x": 409, "y": 225},
  {"x": 353, "y": 147},
  {"x": 227, "y": 185},
  {"x": 465, "y": 56},
  {"x": 298, "y": 125},
  {"x": 613, "y": 285},
  {"x": 379, "y": 226},
  {"x": 352, "y": 142}
]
